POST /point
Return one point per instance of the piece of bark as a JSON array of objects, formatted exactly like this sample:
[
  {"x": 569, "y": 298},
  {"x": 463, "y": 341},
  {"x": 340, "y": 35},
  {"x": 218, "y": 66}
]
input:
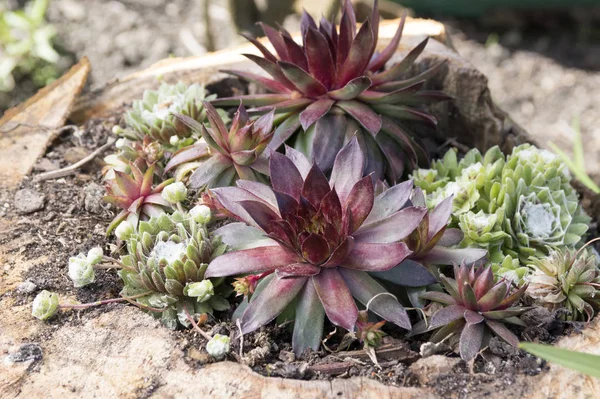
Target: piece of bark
[{"x": 27, "y": 130}]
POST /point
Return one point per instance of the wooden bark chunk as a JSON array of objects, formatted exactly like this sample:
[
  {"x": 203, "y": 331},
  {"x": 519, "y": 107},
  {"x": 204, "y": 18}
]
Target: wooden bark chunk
[{"x": 27, "y": 130}]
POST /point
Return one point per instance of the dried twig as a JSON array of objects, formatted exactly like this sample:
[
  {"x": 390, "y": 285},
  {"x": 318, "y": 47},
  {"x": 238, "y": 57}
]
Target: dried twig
[{"x": 55, "y": 174}]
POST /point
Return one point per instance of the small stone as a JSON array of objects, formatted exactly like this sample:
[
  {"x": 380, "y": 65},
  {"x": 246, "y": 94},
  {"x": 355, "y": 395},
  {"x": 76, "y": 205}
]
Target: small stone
[
  {"x": 286, "y": 356},
  {"x": 428, "y": 368},
  {"x": 93, "y": 198},
  {"x": 46, "y": 165},
  {"x": 26, "y": 287},
  {"x": 26, "y": 352},
  {"x": 28, "y": 200},
  {"x": 75, "y": 154},
  {"x": 197, "y": 355}
]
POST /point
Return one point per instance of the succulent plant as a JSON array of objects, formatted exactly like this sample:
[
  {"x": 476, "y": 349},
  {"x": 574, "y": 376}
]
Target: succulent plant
[
  {"x": 135, "y": 195},
  {"x": 475, "y": 309},
  {"x": 519, "y": 205},
  {"x": 153, "y": 114},
  {"x": 431, "y": 243},
  {"x": 142, "y": 152},
  {"x": 322, "y": 239},
  {"x": 566, "y": 279},
  {"x": 168, "y": 256},
  {"x": 45, "y": 305},
  {"x": 226, "y": 155},
  {"x": 218, "y": 346},
  {"x": 332, "y": 86},
  {"x": 81, "y": 267}
]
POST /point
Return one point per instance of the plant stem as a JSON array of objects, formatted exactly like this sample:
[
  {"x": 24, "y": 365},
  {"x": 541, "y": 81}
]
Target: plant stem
[
  {"x": 206, "y": 335},
  {"x": 103, "y": 302}
]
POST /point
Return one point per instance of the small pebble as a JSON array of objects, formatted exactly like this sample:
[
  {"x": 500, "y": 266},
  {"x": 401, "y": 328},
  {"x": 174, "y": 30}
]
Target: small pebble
[
  {"x": 26, "y": 287},
  {"x": 28, "y": 200}
]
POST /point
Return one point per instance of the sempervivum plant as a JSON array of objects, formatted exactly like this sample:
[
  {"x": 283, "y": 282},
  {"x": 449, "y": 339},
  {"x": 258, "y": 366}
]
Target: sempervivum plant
[
  {"x": 475, "y": 309},
  {"x": 517, "y": 206},
  {"x": 167, "y": 258},
  {"x": 153, "y": 114},
  {"x": 566, "y": 279},
  {"x": 332, "y": 86},
  {"x": 136, "y": 195},
  {"x": 322, "y": 239},
  {"x": 431, "y": 243},
  {"x": 226, "y": 154}
]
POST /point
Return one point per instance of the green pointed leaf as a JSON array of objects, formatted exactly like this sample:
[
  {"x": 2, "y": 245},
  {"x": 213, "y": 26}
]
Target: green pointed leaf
[{"x": 583, "y": 362}]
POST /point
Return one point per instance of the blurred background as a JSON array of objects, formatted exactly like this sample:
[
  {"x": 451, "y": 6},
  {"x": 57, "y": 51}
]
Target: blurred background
[{"x": 542, "y": 57}]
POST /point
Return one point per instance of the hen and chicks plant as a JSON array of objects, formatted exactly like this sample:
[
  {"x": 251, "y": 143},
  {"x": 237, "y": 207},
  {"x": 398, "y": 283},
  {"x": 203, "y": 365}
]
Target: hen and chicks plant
[
  {"x": 517, "y": 207},
  {"x": 475, "y": 308},
  {"x": 333, "y": 86},
  {"x": 313, "y": 242}
]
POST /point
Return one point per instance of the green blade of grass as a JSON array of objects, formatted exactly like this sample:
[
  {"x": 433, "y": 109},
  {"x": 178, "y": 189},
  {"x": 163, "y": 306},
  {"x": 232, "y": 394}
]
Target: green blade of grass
[{"x": 582, "y": 362}]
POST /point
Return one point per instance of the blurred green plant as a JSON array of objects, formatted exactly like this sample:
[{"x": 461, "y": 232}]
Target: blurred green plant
[
  {"x": 577, "y": 164},
  {"x": 583, "y": 362},
  {"x": 26, "y": 45}
]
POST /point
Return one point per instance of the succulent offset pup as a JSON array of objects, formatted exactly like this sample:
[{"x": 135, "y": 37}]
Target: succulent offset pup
[
  {"x": 332, "y": 86},
  {"x": 322, "y": 239},
  {"x": 475, "y": 308},
  {"x": 167, "y": 258},
  {"x": 566, "y": 279},
  {"x": 226, "y": 155},
  {"x": 135, "y": 195}
]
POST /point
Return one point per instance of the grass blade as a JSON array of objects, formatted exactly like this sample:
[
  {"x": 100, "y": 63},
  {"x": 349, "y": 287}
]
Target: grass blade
[{"x": 582, "y": 362}]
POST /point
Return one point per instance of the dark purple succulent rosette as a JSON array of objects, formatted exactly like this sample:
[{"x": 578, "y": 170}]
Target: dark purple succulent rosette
[
  {"x": 475, "y": 309},
  {"x": 332, "y": 85},
  {"x": 321, "y": 238}
]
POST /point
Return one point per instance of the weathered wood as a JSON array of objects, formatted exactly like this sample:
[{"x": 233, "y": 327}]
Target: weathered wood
[{"x": 26, "y": 130}]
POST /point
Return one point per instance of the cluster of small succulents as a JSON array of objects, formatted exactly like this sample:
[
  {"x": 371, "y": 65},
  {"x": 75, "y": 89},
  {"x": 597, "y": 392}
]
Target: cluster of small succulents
[
  {"x": 167, "y": 258},
  {"x": 325, "y": 231},
  {"x": 517, "y": 207}
]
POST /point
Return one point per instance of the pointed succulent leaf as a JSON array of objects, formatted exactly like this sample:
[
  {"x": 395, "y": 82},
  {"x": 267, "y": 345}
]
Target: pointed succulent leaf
[
  {"x": 336, "y": 298},
  {"x": 250, "y": 261}
]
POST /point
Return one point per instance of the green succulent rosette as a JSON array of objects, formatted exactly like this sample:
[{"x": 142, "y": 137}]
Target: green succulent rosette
[
  {"x": 153, "y": 114},
  {"x": 168, "y": 257},
  {"x": 508, "y": 267},
  {"x": 516, "y": 206},
  {"x": 565, "y": 279}
]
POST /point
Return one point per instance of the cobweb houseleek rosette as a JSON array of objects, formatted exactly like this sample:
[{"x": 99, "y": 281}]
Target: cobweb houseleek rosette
[
  {"x": 322, "y": 239},
  {"x": 153, "y": 115},
  {"x": 332, "y": 86},
  {"x": 168, "y": 257},
  {"x": 226, "y": 154},
  {"x": 566, "y": 279},
  {"x": 136, "y": 195},
  {"x": 475, "y": 309}
]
